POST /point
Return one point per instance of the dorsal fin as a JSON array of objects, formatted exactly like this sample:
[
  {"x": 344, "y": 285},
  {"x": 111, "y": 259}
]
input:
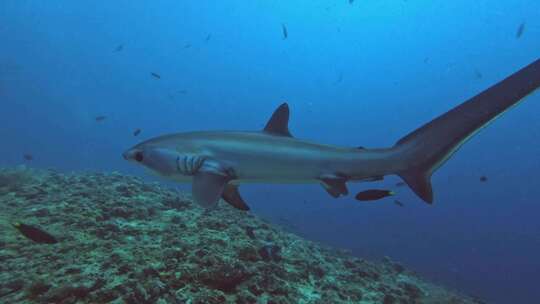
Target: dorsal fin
[{"x": 279, "y": 122}]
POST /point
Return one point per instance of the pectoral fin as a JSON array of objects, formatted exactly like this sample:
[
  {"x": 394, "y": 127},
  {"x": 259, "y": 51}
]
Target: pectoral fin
[
  {"x": 335, "y": 186},
  {"x": 208, "y": 187},
  {"x": 232, "y": 196}
]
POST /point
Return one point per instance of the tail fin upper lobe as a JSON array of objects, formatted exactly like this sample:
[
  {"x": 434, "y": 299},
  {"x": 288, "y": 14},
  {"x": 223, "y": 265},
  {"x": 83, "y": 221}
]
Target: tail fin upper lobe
[{"x": 427, "y": 148}]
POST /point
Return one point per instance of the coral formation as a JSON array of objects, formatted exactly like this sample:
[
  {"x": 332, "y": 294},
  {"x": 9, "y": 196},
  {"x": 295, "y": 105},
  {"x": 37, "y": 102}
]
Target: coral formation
[{"x": 122, "y": 240}]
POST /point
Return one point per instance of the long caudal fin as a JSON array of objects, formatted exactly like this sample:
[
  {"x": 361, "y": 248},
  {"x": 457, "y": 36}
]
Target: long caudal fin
[{"x": 427, "y": 148}]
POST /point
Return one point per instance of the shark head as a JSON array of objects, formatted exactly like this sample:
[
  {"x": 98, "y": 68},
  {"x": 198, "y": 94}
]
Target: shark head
[{"x": 159, "y": 160}]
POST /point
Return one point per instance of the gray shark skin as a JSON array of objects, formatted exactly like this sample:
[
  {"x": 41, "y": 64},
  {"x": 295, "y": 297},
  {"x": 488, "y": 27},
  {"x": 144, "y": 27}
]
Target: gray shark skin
[{"x": 217, "y": 162}]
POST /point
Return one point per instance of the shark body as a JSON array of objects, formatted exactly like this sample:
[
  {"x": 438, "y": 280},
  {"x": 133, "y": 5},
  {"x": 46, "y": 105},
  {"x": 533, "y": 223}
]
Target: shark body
[{"x": 217, "y": 162}]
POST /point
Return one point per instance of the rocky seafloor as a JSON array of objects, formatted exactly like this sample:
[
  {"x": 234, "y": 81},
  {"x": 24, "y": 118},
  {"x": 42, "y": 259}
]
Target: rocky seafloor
[{"x": 122, "y": 240}]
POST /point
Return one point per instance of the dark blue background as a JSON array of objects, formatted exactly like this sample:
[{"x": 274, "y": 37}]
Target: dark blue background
[{"x": 363, "y": 74}]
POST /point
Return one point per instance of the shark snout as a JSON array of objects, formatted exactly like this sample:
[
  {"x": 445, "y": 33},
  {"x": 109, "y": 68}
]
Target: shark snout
[
  {"x": 127, "y": 155},
  {"x": 133, "y": 154}
]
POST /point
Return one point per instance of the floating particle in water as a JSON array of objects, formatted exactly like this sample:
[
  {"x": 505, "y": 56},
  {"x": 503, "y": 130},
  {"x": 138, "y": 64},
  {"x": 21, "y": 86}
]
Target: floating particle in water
[
  {"x": 28, "y": 156},
  {"x": 483, "y": 178},
  {"x": 100, "y": 118}
]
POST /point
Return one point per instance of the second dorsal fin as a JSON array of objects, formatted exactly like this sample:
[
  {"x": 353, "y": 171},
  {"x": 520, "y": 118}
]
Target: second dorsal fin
[
  {"x": 335, "y": 186},
  {"x": 279, "y": 122}
]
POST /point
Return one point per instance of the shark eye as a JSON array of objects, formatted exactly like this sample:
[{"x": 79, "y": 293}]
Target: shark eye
[{"x": 139, "y": 157}]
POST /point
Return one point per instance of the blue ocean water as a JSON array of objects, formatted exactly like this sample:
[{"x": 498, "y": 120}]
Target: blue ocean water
[{"x": 360, "y": 74}]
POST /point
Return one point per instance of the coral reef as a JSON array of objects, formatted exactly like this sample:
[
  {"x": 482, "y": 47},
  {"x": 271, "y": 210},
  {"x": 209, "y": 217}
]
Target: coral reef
[{"x": 125, "y": 241}]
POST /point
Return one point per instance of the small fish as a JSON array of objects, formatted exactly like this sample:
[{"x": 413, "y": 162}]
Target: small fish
[
  {"x": 156, "y": 75},
  {"x": 137, "y": 132},
  {"x": 398, "y": 203},
  {"x": 250, "y": 232},
  {"x": 373, "y": 194},
  {"x": 10, "y": 67},
  {"x": 400, "y": 184},
  {"x": 339, "y": 78},
  {"x": 119, "y": 48},
  {"x": 35, "y": 234},
  {"x": 28, "y": 157},
  {"x": 285, "y": 32},
  {"x": 187, "y": 45},
  {"x": 520, "y": 30},
  {"x": 100, "y": 118},
  {"x": 181, "y": 92},
  {"x": 483, "y": 178},
  {"x": 477, "y": 74},
  {"x": 426, "y": 60},
  {"x": 351, "y": 2},
  {"x": 208, "y": 37},
  {"x": 270, "y": 253}
]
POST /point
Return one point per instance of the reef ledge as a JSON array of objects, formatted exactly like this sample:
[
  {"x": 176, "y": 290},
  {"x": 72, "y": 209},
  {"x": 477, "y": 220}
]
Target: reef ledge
[{"x": 122, "y": 240}]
